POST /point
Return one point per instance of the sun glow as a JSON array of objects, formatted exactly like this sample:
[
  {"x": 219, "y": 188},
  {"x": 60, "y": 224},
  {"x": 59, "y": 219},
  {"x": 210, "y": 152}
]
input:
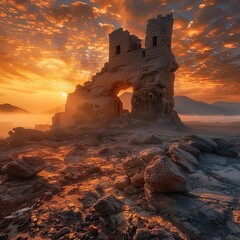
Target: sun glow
[{"x": 64, "y": 95}]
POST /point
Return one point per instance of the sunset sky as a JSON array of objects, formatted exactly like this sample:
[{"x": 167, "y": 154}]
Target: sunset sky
[{"x": 47, "y": 47}]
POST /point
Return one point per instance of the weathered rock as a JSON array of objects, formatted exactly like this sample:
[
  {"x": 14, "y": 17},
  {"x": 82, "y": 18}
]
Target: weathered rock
[
  {"x": 25, "y": 167},
  {"x": 4, "y": 160},
  {"x": 107, "y": 205},
  {"x": 236, "y": 216},
  {"x": 143, "y": 234},
  {"x": 208, "y": 141},
  {"x": 148, "y": 153},
  {"x": 28, "y": 134},
  {"x": 4, "y": 236},
  {"x": 69, "y": 213},
  {"x": 201, "y": 146},
  {"x": 183, "y": 159},
  {"x": 134, "y": 167},
  {"x": 153, "y": 139},
  {"x": 162, "y": 175},
  {"x": 223, "y": 143},
  {"x": 188, "y": 148},
  {"x": 196, "y": 217},
  {"x": 131, "y": 190},
  {"x": 122, "y": 182},
  {"x": 228, "y": 174},
  {"x": 103, "y": 150},
  {"x": 61, "y": 233},
  {"x": 226, "y": 152}
]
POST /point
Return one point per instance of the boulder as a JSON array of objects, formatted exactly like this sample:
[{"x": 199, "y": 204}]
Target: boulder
[
  {"x": 62, "y": 232},
  {"x": 122, "y": 182},
  {"x": 153, "y": 139},
  {"x": 226, "y": 152},
  {"x": 25, "y": 167},
  {"x": 107, "y": 205},
  {"x": 162, "y": 175},
  {"x": 28, "y": 134},
  {"x": 143, "y": 234},
  {"x": 103, "y": 150},
  {"x": 208, "y": 141},
  {"x": 134, "y": 167},
  {"x": 188, "y": 148},
  {"x": 148, "y": 153},
  {"x": 4, "y": 160},
  {"x": 183, "y": 159},
  {"x": 222, "y": 143},
  {"x": 201, "y": 146},
  {"x": 71, "y": 172}
]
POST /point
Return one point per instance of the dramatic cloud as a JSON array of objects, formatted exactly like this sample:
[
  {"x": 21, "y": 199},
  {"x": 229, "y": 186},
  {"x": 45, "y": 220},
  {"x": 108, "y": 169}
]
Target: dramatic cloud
[{"x": 47, "y": 47}]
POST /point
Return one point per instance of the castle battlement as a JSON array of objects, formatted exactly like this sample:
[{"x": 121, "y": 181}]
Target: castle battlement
[{"x": 125, "y": 48}]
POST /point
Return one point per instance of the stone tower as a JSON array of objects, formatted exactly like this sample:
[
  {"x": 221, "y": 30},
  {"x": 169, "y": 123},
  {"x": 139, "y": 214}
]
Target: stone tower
[{"x": 158, "y": 36}]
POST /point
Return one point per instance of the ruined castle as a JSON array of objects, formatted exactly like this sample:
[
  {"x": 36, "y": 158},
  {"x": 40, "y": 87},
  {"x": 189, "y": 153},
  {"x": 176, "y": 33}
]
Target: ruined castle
[{"x": 149, "y": 71}]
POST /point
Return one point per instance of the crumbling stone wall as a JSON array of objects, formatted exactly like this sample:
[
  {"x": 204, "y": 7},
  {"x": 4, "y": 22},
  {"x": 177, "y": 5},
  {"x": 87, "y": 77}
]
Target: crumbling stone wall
[
  {"x": 149, "y": 71},
  {"x": 123, "y": 48}
]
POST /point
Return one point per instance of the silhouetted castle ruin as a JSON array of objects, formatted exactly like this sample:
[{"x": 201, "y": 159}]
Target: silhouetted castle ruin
[{"x": 149, "y": 71}]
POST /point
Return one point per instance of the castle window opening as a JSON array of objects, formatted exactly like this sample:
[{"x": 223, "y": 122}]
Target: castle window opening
[
  {"x": 125, "y": 97},
  {"x": 118, "y": 49},
  {"x": 154, "y": 41}
]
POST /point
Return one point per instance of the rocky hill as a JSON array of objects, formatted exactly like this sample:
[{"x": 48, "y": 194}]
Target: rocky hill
[{"x": 8, "y": 108}]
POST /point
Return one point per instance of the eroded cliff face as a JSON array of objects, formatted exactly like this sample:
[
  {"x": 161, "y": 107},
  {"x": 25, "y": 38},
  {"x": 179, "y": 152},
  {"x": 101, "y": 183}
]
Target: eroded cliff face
[{"x": 149, "y": 71}]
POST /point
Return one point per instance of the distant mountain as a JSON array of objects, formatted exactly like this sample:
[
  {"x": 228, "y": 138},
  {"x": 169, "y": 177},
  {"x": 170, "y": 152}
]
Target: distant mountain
[
  {"x": 8, "y": 108},
  {"x": 233, "y": 106},
  {"x": 55, "y": 110},
  {"x": 188, "y": 106}
]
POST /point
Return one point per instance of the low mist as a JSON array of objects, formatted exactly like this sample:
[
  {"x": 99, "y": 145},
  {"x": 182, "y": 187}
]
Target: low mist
[
  {"x": 9, "y": 121},
  {"x": 210, "y": 118}
]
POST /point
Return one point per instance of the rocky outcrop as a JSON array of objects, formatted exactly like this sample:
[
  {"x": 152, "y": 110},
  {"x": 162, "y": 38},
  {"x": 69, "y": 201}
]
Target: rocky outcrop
[
  {"x": 19, "y": 136},
  {"x": 134, "y": 167},
  {"x": 25, "y": 167},
  {"x": 107, "y": 205},
  {"x": 161, "y": 175},
  {"x": 122, "y": 182},
  {"x": 223, "y": 143},
  {"x": 5, "y": 159},
  {"x": 188, "y": 148},
  {"x": 183, "y": 158},
  {"x": 148, "y": 153},
  {"x": 205, "y": 144},
  {"x": 168, "y": 171}
]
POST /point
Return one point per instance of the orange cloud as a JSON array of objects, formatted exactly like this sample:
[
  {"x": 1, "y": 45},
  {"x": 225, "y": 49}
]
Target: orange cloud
[{"x": 47, "y": 47}]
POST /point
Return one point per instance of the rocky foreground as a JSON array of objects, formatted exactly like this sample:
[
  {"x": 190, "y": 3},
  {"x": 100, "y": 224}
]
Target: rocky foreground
[{"x": 140, "y": 183}]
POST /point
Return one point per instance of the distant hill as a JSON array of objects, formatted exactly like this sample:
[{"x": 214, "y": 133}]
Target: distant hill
[
  {"x": 55, "y": 110},
  {"x": 8, "y": 108},
  {"x": 233, "y": 106},
  {"x": 188, "y": 106}
]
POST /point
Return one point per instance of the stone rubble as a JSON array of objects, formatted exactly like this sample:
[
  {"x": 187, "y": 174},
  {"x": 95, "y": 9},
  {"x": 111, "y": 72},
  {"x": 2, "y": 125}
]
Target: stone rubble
[
  {"x": 143, "y": 191},
  {"x": 25, "y": 167}
]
